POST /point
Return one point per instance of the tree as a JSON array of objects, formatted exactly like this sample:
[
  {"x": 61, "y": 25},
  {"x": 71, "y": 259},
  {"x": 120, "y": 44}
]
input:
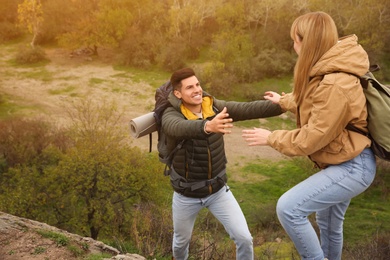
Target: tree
[
  {"x": 260, "y": 12},
  {"x": 31, "y": 17},
  {"x": 189, "y": 15},
  {"x": 104, "y": 23}
]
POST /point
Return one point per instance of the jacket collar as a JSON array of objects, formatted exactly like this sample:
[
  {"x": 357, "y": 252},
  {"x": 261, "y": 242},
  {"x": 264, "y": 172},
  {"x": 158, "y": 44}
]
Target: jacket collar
[{"x": 207, "y": 109}]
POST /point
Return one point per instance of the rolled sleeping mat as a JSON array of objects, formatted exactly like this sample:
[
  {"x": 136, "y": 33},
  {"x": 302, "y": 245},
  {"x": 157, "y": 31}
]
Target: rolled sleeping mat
[{"x": 143, "y": 125}]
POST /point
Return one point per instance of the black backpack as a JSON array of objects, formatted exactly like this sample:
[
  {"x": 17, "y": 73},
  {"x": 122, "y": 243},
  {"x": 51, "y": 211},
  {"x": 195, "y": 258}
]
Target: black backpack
[
  {"x": 378, "y": 107},
  {"x": 164, "y": 154}
]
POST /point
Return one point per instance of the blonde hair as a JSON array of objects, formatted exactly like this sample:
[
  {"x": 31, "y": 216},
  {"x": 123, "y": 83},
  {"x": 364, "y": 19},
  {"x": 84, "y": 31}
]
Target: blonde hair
[{"x": 317, "y": 33}]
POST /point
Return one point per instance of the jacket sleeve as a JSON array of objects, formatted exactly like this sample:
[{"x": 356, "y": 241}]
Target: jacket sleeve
[
  {"x": 287, "y": 103},
  {"x": 239, "y": 111},
  {"x": 327, "y": 121},
  {"x": 176, "y": 125}
]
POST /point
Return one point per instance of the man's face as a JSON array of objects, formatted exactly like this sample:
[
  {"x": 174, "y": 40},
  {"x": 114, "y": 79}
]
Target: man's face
[{"x": 190, "y": 94}]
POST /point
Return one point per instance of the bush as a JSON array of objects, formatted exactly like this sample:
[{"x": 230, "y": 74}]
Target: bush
[
  {"x": 271, "y": 63},
  {"x": 216, "y": 79},
  {"x": 22, "y": 141},
  {"x": 173, "y": 55},
  {"x": 377, "y": 247},
  {"x": 29, "y": 55},
  {"x": 8, "y": 31},
  {"x": 137, "y": 50}
]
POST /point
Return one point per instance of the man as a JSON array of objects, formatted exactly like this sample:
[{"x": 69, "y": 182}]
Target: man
[{"x": 198, "y": 170}]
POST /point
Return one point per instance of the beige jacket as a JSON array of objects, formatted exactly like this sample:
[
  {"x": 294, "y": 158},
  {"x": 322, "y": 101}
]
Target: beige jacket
[{"x": 334, "y": 99}]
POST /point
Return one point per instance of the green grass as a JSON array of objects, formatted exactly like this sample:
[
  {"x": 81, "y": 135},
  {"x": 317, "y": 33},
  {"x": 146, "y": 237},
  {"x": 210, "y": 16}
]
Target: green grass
[
  {"x": 274, "y": 250},
  {"x": 39, "y": 250},
  {"x": 63, "y": 241},
  {"x": 62, "y": 90},
  {"x": 275, "y": 84},
  {"x": 95, "y": 81},
  {"x": 154, "y": 77},
  {"x": 9, "y": 109},
  {"x": 98, "y": 256},
  {"x": 60, "y": 239},
  {"x": 38, "y": 74},
  {"x": 122, "y": 75},
  {"x": 12, "y": 62},
  {"x": 256, "y": 90},
  {"x": 285, "y": 121},
  {"x": 367, "y": 215},
  {"x": 276, "y": 178}
]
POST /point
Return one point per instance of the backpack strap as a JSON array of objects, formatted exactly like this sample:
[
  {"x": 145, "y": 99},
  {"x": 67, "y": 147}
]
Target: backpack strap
[
  {"x": 168, "y": 169},
  {"x": 181, "y": 183},
  {"x": 150, "y": 142},
  {"x": 357, "y": 130}
]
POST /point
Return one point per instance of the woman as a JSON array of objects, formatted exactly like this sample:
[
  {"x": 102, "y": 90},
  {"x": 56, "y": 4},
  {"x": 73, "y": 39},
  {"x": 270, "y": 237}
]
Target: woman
[{"x": 326, "y": 97}]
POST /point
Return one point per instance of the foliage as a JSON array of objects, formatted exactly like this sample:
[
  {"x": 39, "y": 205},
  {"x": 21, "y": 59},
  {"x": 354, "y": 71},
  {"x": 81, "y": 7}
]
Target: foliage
[
  {"x": 216, "y": 79},
  {"x": 58, "y": 17},
  {"x": 30, "y": 16},
  {"x": 250, "y": 38},
  {"x": 107, "y": 176},
  {"x": 8, "y": 108},
  {"x": 58, "y": 188},
  {"x": 104, "y": 24},
  {"x": 28, "y": 55},
  {"x": 8, "y": 10},
  {"x": 8, "y": 31},
  {"x": 24, "y": 141},
  {"x": 172, "y": 55},
  {"x": 60, "y": 239},
  {"x": 77, "y": 249},
  {"x": 137, "y": 49},
  {"x": 376, "y": 247}
]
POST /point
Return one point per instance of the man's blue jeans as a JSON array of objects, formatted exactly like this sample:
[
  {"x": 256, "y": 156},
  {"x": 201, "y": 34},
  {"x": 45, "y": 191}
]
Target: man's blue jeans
[
  {"x": 328, "y": 193},
  {"x": 224, "y": 207}
]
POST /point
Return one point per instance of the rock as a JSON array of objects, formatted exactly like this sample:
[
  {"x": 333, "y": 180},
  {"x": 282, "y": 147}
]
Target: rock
[{"x": 19, "y": 239}]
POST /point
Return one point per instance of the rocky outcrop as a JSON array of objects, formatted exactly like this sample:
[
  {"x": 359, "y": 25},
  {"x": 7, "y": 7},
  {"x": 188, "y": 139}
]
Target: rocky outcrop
[{"x": 21, "y": 238}]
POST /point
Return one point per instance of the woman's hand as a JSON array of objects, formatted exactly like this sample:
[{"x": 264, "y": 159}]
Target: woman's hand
[
  {"x": 273, "y": 96},
  {"x": 257, "y": 136}
]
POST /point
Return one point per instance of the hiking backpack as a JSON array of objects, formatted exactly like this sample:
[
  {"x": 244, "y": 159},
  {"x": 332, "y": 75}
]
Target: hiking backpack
[
  {"x": 378, "y": 107},
  {"x": 164, "y": 154}
]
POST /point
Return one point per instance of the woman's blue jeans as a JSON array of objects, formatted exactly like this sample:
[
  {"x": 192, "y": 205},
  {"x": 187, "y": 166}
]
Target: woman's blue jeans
[
  {"x": 224, "y": 207},
  {"x": 328, "y": 193}
]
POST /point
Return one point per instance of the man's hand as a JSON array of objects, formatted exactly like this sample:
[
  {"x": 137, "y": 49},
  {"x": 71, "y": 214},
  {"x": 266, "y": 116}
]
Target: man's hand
[{"x": 221, "y": 123}]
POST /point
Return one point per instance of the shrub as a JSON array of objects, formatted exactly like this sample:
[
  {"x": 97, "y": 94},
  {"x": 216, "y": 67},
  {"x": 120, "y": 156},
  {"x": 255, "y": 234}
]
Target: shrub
[
  {"x": 216, "y": 79},
  {"x": 8, "y": 31},
  {"x": 29, "y": 55},
  {"x": 378, "y": 248},
  {"x": 272, "y": 63},
  {"x": 22, "y": 141},
  {"x": 173, "y": 55},
  {"x": 137, "y": 49}
]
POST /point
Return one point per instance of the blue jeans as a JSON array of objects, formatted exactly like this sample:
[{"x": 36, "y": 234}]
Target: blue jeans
[
  {"x": 224, "y": 207},
  {"x": 328, "y": 193}
]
